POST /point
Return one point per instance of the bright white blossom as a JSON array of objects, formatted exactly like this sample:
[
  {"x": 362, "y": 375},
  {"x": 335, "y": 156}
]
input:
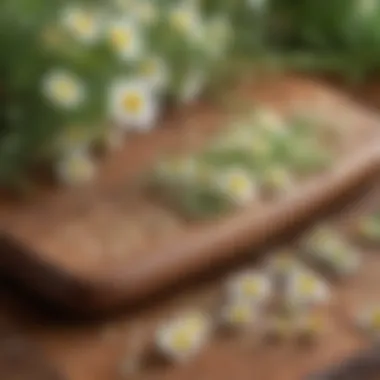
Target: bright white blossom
[
  {"x": 76, "y": 168},
  {"x": 182, "y": 338},
  {"x": 146, "y": 12},
  {"x": 306, "y": 289},
  {"x": 133, "y": 105},
  {"x": 237, "y": 184},
  {"x": 186, "y": 19},
  {"x": 83, "y": 24},
  {"x": 155, "y": 72},
  {"x": 125, "y": 38},
  {"x": 64, "y": 89},
  {"x": 252, "y": 287}
]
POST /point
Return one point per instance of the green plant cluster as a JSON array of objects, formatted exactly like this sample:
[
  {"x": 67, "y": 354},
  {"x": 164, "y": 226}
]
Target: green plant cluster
[
  {"x": 38, "y": 37},
  {"x": 259, "y": 156}
]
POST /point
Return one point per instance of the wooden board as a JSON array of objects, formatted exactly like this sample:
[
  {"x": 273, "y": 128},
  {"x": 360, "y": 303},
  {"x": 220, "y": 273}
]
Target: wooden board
[
  {"x": 105, "y": 246},
  {"x": 110, "y": 349}
]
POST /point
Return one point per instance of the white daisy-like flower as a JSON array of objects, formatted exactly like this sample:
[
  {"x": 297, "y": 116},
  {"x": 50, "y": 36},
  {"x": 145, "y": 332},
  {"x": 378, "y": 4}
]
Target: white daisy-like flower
[
  {"x": 155, "y": 72},
  {"x": 306, "y": 289},
  {"x": 369, "y": 320},
  {"x": 83, "y": 24},
  {"x": 183, "y": 338},
  {"x": 76, "y": 168},
  {"x": 186, "y": 19},
  {"x": 126, "y": 39},
  {"x": 237, "y": 184},
  {"x": 64, "y": 89},
  {"x": 250, "y": 286},
  {"x": 133, "y": 105},
  {"x": 238, "y": 314},
  {"x": 146, "y": 12},
  {"x": 192, "y": 86}
]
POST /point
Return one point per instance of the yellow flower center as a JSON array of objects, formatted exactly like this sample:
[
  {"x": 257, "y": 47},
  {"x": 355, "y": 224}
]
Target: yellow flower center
[
  {"x": 240, "y": 314},
  {"x": 132, "y": 102},
  {"x": 251, "y": 287},
  {"x": 307, "y": 285},
  {"x": 181, "y": 20},
  {"x": 65, "y": 89},
  {"x": 238, "y": 184},
  {"x": 182, "y": 340},
  {"x": 84, "y": 23},
  {"x": 376, "y": 320},
  {"x": 121, "y": 38}
]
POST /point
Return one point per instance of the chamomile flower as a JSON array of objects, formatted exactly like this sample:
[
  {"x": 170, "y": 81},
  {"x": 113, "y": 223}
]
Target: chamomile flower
[
  {"x": 146, "y": 12},
  {"x": 133, "y": 105},
  {"x": 183, "y": 337},
  {"x": 86, "y": 25},
  {"x": 192, "y": 86},
  {"x": 185, "y": 19},
  {"x": 64, "y": 89},
  {"x": 154, "y": 71},
  {"x": 76, "y": 168},
  {"x": 250, "y": 286},
  {"x": 369, "y": 320},
  {"x": 237, "y": 184},
  {"x": 238, "y": 314},
  {"x": 125, "y": 39},
  {"x": 306, "y": 289}
]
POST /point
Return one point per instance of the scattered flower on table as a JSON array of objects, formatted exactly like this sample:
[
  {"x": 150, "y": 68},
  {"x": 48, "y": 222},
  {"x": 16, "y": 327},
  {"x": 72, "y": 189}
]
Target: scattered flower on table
[
  {"x": 64, "y": 89},
  {"x": 126, "y": 39},
  {"x": 85, "y": 25},
  {"x": 76, "y": 168},
  {"x": 250, "y": 286},
  {"x": 306, "y": 289},
  {"x": 182, "y": 338},
  {"x": 238, "y": 314},
  {"x": 368, "y": 319},
  {"x": 133, "y": 105},
  {"x": 237, "y": 184},
  {"x": 282, "y": 265}
]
